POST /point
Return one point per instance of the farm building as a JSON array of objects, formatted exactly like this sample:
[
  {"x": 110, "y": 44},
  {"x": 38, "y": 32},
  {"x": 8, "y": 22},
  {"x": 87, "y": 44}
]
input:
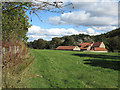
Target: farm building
[
  {"x": 88, "y": 46},
  {"x": 85, "y": 46},
  {"x": 93, "y": 47},
  {"x": 74, "y": 48}
]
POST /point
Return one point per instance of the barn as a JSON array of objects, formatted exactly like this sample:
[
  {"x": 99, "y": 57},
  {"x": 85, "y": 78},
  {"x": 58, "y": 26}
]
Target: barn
[
  {"x": 87, "y": 46},
  {"x": 72, "y": 48},
  {"x": 93, "y": 47}
]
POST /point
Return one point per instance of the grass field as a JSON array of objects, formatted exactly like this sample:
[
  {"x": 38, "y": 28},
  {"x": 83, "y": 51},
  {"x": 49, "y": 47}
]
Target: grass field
[{"x": 72, "y": 69}]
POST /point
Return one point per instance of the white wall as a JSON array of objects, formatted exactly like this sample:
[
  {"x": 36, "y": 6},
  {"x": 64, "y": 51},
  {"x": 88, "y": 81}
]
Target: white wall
[
  {"x": 98, "y": 51},
  {"x": 90, "y": 46},
  {"x": 77, "y": 48},
  {"x": 102, "y": 45}
]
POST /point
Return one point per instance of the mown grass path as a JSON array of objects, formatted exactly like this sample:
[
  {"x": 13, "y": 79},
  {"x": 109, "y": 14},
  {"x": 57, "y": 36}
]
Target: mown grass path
[{"x": 72, "y": 69}]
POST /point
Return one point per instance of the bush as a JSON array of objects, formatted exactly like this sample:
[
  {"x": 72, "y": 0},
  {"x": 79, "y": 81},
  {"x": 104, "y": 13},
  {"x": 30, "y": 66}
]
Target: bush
[{"x": 15, "y": 59}]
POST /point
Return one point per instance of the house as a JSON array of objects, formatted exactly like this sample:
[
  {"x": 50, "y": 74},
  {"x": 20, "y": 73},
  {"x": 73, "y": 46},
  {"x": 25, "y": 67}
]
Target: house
[
  {"x": 73, "y": 48},
  {"x": 93, "y": 47},
  {"x": 98, "y": 47},
  {"x": 85, "y": 46},
  {"x": 88, "y": 46}
]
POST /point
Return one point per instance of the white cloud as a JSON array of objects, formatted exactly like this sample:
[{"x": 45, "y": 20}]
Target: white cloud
[
  {"x": 104, "y": 28},
  {"x": 35, "y": 32},
  {"x": 34, "y": 29},
  {"x": 82, "y": 18},
  {"x": 98, "y": 13},
  {"x": 55, "y": 20},
  {"x": 98, "y": 8},
  {"x": 53, "y": 31},
  {"x": 78, "y": 0},
  {"x": 90, "y": 31}
]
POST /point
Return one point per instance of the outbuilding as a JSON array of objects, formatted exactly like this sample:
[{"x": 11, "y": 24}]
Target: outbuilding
[
  {"x": 93, "y": 47},
  {"x": 73, "y": 48}
]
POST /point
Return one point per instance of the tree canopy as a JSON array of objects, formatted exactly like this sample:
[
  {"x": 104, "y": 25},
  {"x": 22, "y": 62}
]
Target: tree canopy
[{"x": 15, "y": 21}]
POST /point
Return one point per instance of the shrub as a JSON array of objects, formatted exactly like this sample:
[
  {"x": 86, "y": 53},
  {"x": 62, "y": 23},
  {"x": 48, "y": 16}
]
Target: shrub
[{"x": 15, "y": 59}]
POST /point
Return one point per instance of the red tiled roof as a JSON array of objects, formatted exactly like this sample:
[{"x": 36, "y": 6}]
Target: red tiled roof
[
  {"x": 99, "y": 49},
  {"x": 83, "y": 45},
  {"x": 96, "y": 44},
  {"x": 65, "y": 47}
]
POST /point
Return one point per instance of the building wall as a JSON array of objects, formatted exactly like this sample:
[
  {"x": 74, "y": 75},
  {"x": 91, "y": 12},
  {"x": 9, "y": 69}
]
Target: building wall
[
  {"x": 90, "y": 46},
  {"x": 102, "y": 45},
  {"x": 77, "y": 48},
  {"x": 98, "y": 51}
]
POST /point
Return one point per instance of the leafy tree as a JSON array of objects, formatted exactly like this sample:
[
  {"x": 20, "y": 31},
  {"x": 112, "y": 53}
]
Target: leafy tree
[
  {"x": 35, "y": 45},
  {"x": 14, "y": 23},
  {"x": 29, "y": 44},
  {"x": 41, "y": 44},
  {"x": 38, "y": 44},
  {"x": 114, "y": 43},
  {"x": 69, "y": 41},
  {"x": 111, "y": 40},
  {"x": 55, "y": 42}
]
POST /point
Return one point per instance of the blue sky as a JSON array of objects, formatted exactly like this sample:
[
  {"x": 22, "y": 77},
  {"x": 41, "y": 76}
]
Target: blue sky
[{"x": 91, "y": 18}]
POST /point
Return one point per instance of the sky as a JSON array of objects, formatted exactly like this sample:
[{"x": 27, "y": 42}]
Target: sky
[{"x": 91, "y": 17}]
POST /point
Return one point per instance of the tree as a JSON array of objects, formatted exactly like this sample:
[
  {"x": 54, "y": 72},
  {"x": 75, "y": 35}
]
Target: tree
[
  {"x": 15, "y": 23},
  {"x": 38, "y": 44},
  {"x": 30, "y": 44},
  {"x": 55, "y": 42},
  {"x": 69, "y": 41},
  {"x": 41, "y": 44},
  {"x": 36, "y": 5}
]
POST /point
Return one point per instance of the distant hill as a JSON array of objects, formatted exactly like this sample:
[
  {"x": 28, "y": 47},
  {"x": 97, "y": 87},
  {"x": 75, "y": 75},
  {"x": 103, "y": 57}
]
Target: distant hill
[
  {"x": 112, "y": 33},
  {"x": 110, "y": 39}
]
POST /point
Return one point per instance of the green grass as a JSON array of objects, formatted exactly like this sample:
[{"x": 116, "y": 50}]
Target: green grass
[{"x": 72, "y": 69}]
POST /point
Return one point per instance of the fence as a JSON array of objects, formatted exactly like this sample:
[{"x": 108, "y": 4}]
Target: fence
[
  {"x": 11, "y": 46},
  {"x": 13, "y": 49}
]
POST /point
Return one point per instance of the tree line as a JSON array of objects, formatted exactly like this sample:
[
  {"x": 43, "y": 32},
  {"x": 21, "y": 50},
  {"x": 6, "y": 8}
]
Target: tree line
[{"x": 110, "y": 39}]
